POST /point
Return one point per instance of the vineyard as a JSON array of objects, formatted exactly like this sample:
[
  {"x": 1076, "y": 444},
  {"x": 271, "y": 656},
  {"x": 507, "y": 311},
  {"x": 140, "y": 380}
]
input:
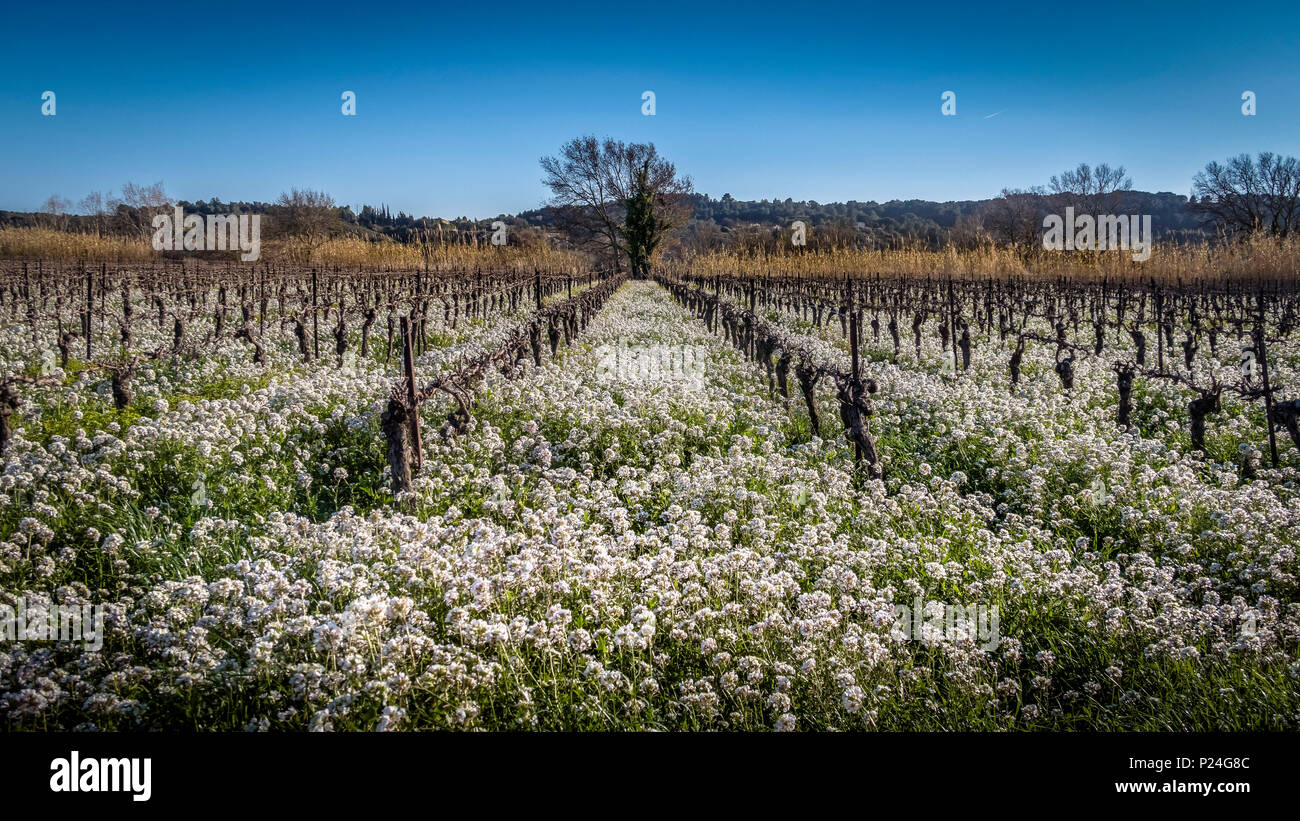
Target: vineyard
[{"x": 454, "y": 497}]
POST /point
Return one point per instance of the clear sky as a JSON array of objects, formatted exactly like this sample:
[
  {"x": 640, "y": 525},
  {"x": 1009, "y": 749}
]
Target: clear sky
[{"x": 821, "y": 101}]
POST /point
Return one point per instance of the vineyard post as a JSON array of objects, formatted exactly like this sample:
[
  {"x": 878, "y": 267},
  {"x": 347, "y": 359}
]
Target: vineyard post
[
  {"x": 856, "y": 367},
  {"x": 315, "y": 318},
  {"x": 103, "y": 287},
  {"x": 90, "y": 306},
  {"x": 1160, "y": 330},
  {"x": 261, "y": 308},
  {"x": 412, "y": 402},
  {"x": 853, "y": 330},
  {"x": 952, "y": 322},
  {"x": 1260, "y": 324},
  {"x": 415, "y": 300}
]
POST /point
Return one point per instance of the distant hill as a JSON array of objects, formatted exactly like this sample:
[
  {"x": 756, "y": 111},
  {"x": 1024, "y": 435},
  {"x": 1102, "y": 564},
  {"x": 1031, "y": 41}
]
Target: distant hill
[
  {"x": 894, "y": 221},
  {"x": 879, "y": 224}
]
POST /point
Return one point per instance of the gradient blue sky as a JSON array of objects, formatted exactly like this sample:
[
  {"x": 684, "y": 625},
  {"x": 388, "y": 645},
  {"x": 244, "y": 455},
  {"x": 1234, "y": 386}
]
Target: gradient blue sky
[{"x": 762, "y": 100}]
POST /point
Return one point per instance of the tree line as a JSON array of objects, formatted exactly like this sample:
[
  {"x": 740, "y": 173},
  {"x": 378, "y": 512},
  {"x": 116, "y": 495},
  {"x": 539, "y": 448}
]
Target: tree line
[{"x": 626, "y": 202}]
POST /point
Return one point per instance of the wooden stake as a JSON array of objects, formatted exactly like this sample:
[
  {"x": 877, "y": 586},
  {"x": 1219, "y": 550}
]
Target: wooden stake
[{"x": 408, "y": 370}]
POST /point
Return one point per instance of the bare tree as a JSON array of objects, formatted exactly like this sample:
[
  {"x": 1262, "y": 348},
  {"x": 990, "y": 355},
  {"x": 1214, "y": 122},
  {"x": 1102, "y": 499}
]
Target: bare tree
[
  {"x": 970, "y": 232},
  {"x": 1016, "y": 218},
  {"x": 703, "y": 236},
  {"x": 53, "y": 213},
  {"x": 836, "y": 233},
  {"x": 309, "y": 217},
  {"x": 528, "y": 236},
  {"x": 93, "y": 206},
  {"x": 138, "y": 205},
  {"x": 595, "y": 184},
  {"x": 585, "y": 206},
  {"x": 1090, "y": 190},
  {"x": 1246, "y": 195},
  {"x": 752, "y": 239}
]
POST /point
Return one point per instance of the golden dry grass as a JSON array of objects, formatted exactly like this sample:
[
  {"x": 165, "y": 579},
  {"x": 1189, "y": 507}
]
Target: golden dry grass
[
  {"x": 53, "y": 245},
  {"x": 1260, "y": 256},
  {"x": 349, "y": 251},
  {"x": 50, "y": 244}
]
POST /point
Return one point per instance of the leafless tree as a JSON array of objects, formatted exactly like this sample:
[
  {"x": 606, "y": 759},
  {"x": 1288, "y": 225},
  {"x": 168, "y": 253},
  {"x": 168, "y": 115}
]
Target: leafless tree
[
  {"x": 309, "y": 217},
  {"x": 1090, "y": 190},
  {"x": 53, "y": 212},
  {"x": 593, "y": 183},
  {"x": 1246, "y": 195},
  {"x": 836, "y": 233},
  {"x": 1016, "y": 218},
  {"x": 704, "y": 236},
  {"x": 582, "y": 197},
  {"x": 93, "y": 206},
  {"x": 970, "y": 232},
  {"x": 138, "y": 205}
]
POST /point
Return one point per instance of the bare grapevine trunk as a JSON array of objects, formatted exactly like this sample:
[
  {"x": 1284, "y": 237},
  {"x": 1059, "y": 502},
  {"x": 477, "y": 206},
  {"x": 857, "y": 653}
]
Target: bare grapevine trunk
[
  {"x": 807, "y": 377},
  {"x": 8, "y": 406},
  {"x": 395, "y": 422}
]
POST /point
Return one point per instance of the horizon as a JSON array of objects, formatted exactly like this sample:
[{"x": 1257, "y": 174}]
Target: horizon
[
  {"x": 454, "y": 111},
  {"x": 356, "y": 207}
]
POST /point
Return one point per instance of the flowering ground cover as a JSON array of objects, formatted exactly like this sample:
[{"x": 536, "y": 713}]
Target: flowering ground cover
[{"x": 639, "y": 535}]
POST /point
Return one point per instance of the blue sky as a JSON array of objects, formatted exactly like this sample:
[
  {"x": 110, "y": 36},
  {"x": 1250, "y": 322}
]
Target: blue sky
[{"x": 822, "y": 101}]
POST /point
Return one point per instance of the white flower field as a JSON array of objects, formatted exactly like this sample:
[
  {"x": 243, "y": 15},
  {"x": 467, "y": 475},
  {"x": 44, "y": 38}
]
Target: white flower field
[{"x": 641, "y": 533}]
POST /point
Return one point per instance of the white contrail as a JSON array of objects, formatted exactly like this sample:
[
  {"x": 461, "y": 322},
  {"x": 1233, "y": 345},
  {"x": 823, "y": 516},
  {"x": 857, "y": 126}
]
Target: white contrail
[{"x": 994, "y": 114}]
